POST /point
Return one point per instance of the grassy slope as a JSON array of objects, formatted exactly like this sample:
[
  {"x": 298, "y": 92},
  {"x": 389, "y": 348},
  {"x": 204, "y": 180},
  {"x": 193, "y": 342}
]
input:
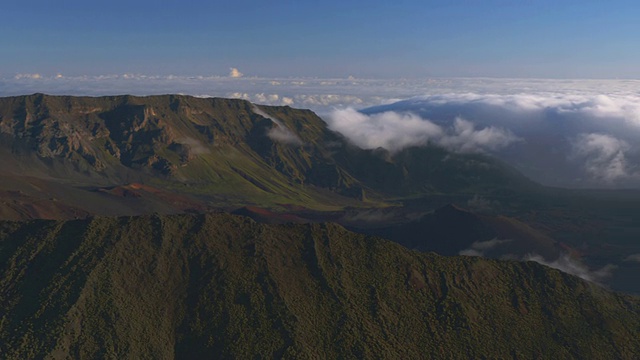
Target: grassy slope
[{"x": 194, "y": 286}]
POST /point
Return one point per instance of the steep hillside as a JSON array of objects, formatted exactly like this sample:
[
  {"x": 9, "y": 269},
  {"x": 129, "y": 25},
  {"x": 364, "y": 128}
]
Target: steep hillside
[
  {"x": 217, "y": 152},
  {"x": 193, "y": 286}
]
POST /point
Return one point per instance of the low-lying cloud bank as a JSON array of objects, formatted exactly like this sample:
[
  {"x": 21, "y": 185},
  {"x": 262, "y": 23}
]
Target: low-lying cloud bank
[
  {"x": 571, "y": 140},
  {"x": 395, "y": 131}
]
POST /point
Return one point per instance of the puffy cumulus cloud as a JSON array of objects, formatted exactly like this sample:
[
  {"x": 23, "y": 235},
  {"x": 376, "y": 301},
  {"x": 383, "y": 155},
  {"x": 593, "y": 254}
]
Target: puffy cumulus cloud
[
  {"x": 395, "y": 131},
  {"x": 389, "y": 130},
  {"x": 604, "y": 156},
  {"x": 287, "y": 101},
  {"x": 566, "y": 264},
  {"x": 239, "y": 95},
  {"x": 279, "y": 132},
  {"x": 235, "y": 73}
]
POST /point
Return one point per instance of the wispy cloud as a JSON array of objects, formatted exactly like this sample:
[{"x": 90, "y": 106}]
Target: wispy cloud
[
  {"x": 196, "y": 146},
  {"x": 279, "y": 132},
  {"x": 604, "y": 156},
  {"x": 566, "y": 264},
  {"x": 633, "y": 257},
  {"x": 479, "y": 248}
]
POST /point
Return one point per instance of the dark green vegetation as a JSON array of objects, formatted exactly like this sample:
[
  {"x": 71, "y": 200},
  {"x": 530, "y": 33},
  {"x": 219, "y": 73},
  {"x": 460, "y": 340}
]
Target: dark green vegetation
[
  {"x": 216, "y": 285},
  {"x": 193, "y": 286}
]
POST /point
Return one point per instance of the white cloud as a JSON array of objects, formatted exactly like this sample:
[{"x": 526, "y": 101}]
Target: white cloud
[
  {"x": 395, "y": 131},
  {"x": 563, "y": 263},
  {"x": 575, "y": 139},
  {"x": 235, "y": 73},
  {"x": 287, "y": 101},
  {"x": 196, "y": 146},
  {"x": 389, "y": 130},
  {"x": 465, "y": 138},
  {"x": 279, "y": 132},
  {"x": 604, "y": 155},
  {"x": 262, "y": 98},
  {"x": 566, "y": 264}
]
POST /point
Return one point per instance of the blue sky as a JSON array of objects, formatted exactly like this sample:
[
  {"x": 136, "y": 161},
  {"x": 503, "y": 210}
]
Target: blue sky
[{"x": 327, "y": 39}]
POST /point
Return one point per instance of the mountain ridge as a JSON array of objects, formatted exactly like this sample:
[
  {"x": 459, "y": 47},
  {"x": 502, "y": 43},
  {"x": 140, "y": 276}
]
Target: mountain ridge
[
  {"x": 224, "y": 151},
  {"x": 223, "y": 285}
]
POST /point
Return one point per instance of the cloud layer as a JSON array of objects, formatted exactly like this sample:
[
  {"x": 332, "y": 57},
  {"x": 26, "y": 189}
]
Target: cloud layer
[{"x": 574, "y": 140}]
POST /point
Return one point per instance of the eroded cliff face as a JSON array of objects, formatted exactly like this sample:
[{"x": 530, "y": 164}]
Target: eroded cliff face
[{"x": 199, "y": 141}]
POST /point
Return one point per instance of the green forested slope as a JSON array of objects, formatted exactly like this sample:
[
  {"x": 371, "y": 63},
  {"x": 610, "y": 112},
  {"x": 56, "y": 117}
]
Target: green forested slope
[{"x": 221, "y": 286}]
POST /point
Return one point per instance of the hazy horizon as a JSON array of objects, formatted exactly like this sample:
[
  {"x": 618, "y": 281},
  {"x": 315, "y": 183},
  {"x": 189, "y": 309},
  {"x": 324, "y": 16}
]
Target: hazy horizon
[{"x": 331, "y": 39}]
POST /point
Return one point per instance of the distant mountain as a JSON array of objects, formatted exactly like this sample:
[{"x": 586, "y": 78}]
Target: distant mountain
[
  {"x": 202, "y": 286},
  {"x": 213, "y": 153}
]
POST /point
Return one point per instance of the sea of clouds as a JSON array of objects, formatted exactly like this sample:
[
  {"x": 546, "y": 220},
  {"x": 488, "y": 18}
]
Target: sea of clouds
[
  {"x": 572, "y": 133},
  {"x": 562, "y": 139}
]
